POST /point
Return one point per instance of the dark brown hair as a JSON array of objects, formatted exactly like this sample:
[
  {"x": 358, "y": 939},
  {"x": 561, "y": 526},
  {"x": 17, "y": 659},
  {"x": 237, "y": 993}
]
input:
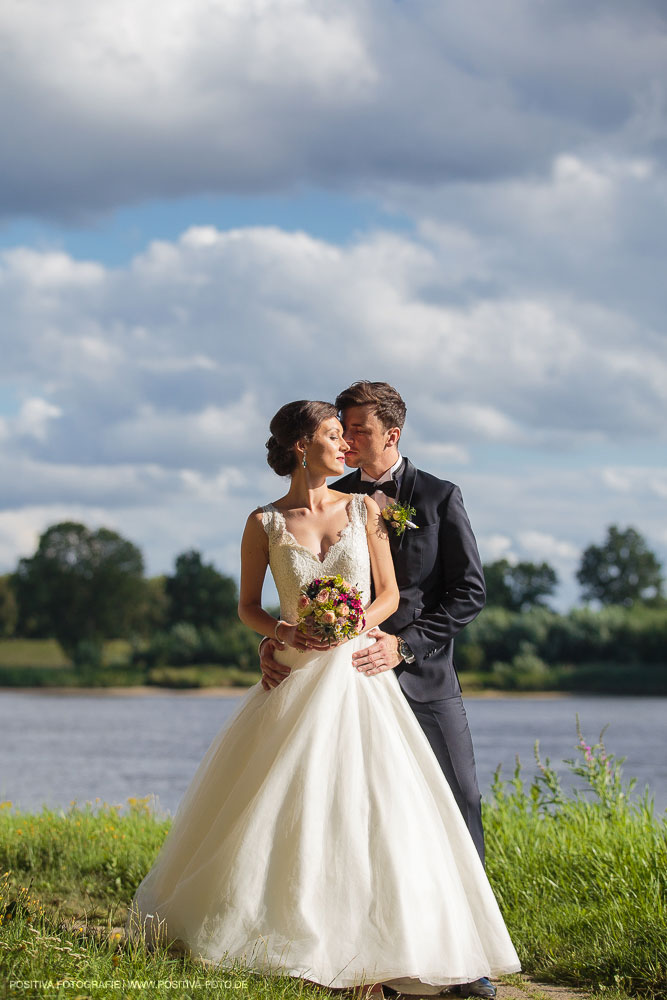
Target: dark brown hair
[
  {"x": 384, "y": 400},
  {"x": 294, "y": 422}
]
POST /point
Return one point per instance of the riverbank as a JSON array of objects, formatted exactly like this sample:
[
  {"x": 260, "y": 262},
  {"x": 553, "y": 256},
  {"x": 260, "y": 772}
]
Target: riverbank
[{"x": 142, "y": 690}]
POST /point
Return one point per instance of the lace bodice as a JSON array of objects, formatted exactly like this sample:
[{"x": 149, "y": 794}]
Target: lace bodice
[{"x": 294, "y": 565}]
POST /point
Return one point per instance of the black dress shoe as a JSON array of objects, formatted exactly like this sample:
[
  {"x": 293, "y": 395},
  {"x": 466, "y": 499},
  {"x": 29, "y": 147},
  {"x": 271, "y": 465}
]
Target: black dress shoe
[{"x": 480, "y": 988}]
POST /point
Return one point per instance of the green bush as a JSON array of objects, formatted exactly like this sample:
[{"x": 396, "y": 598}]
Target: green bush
[
  {"x": 8, "y": 607},
  {"x": 501, "y": 634},
  {"x": 608, "y": 677},
  {"x": 469, "y": 656},
  {"x": 526, "y": 672},
  {"x": 617, "y": 649},
  {"x": 185, "y": 645}
]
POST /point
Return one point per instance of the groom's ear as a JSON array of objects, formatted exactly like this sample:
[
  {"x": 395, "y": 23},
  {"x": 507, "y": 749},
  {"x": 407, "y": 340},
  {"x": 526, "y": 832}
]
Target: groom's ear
[{"x": 393, "y": 437}]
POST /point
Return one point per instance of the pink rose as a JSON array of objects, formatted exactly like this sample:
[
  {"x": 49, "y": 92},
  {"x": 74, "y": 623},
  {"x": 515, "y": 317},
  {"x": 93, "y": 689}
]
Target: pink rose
[
  {"x": 304, "y": 602},
  {"x": 342, "y": 611},
  {"x": 322, "y": 597},
  {"x": 328, "y": 617}
]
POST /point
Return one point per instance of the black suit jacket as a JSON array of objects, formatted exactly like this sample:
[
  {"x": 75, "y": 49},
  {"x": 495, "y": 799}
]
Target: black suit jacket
[{"x": 440, "y": 578}]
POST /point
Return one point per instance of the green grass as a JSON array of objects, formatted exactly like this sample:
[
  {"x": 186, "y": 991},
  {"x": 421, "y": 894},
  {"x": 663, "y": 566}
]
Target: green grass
[
  {"x": 65, "y": 882},
  {"x": 41, "y": 663},
  {"x": 581, "y": 880},
  {"x": 31, "y": 653},
  {"x": 202, "y": 676},
  {"x": 63, "y": 889},
  {"x": 47, "y": 653}
]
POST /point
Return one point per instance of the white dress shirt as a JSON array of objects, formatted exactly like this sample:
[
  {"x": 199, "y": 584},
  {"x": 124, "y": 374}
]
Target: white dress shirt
[{"x": 381, "y": 498}]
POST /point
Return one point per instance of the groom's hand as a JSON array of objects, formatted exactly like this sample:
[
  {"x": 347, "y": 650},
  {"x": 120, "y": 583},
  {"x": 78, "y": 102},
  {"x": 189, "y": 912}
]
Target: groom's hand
[
  {"x": 272, "y": 671},
  {"x": 382, "y": 655}
]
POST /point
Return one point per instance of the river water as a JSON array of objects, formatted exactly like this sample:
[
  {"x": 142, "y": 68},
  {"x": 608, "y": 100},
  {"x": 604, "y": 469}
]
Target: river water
[{"x": 55, "y": 748}]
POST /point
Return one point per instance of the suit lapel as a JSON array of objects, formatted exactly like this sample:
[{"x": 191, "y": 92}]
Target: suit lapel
[
  {"x": 408, "y": 480},
  {"x": 354, "y": 479}
]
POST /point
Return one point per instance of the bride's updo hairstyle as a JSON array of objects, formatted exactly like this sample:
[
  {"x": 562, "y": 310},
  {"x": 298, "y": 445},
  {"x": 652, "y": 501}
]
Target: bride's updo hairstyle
[{"x": 294, "y": 422}]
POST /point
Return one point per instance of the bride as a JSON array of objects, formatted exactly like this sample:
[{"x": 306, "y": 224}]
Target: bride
[{"x": 319, "y": 837}]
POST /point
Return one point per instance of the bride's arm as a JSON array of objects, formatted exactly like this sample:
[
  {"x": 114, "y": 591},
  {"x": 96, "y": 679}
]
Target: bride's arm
[
  {"x": 382, "y": 567},
  {"x": 254, "y": 560}
]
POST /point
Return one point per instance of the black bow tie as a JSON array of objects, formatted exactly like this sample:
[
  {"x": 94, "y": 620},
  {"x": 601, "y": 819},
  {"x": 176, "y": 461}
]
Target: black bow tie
[{"x": 390, "y": 488}]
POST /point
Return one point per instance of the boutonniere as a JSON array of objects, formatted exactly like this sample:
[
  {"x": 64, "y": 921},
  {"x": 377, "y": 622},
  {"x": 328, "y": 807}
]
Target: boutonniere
[{"x": 397, "y": 515}]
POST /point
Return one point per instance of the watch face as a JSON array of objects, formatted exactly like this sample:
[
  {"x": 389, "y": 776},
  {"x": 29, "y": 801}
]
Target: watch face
[{"x": 405, "y": 650}]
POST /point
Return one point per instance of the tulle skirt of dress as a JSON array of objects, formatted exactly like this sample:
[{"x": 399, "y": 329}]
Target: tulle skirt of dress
[{"x": 319, "y": 838}]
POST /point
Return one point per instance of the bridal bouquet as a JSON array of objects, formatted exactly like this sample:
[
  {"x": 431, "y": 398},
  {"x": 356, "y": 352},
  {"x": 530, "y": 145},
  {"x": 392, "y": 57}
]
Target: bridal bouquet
[{"x": 330, "y": 607}]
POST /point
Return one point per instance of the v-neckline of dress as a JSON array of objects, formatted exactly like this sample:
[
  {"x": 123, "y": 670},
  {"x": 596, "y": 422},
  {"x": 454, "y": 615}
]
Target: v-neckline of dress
[{"x": 305, "y": 548}]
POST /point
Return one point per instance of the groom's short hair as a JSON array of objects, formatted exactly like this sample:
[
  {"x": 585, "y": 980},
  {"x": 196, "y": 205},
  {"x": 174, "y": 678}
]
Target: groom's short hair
[{"x": 385, "y": 401}]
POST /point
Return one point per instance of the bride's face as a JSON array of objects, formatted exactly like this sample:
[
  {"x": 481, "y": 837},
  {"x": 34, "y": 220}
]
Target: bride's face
[{"x": 326, "y": 452}]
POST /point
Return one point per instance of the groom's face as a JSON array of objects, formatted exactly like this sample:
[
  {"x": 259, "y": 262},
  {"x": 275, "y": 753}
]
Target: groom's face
[{"x": 365, "y": 435}]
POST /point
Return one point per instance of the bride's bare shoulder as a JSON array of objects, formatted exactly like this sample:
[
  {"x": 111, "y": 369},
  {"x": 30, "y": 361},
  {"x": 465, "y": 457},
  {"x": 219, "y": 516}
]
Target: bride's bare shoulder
[
  {"x": 258, "y": 511},
  {"x": 338, "y": 495},
  {"x": 255, "y": 519}
]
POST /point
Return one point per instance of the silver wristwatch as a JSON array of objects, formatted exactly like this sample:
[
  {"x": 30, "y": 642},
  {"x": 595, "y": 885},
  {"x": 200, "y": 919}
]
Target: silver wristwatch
[{"x": 404, "y": 650}]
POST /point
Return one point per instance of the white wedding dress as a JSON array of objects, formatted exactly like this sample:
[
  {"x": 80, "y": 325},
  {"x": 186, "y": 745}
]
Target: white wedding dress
[{"x": 319, "y": 837}]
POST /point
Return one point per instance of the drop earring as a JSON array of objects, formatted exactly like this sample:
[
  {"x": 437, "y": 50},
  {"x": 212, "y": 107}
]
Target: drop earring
[{"x": 303, "y": 460}]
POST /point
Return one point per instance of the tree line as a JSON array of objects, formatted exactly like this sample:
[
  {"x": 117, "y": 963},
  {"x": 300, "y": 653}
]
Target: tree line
[
  {"x": 622, "y": 570},
  {"x": 85, "y": 586}
]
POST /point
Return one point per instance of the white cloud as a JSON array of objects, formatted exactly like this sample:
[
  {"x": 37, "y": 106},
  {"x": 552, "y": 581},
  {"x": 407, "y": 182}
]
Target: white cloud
[
  {"x": 208, "y": 436},
  {"x": 134, "y": 101},
  {"x": 184, "y": 351},
  {"x": 522, "y": 318},
  {"x": 34, "y": 417},
  {"x": 152, "y": 388},
  {"x": 49, "y": 270},
  {"x": 494, "y": 547},
  {"x": 31, "y": 421},
  {"x": 543, "y": 546},
  {"x": 552, "y": 514},
  {"x": 637, "y": 481},
  {"x": 426, "y": 453},
  {"x": 591, "y": 232},
  {"x": 29, "y": 482}
]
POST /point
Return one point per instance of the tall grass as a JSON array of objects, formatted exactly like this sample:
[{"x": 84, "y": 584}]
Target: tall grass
[{"x": 581, "y": 879}]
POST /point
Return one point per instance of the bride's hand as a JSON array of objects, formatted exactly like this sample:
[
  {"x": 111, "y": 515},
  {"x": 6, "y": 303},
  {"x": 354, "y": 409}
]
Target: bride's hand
[
  {"x": 291, "y": 636},
  {"x": 304, "y": 641},
  {"x": 316, "y": 641}
]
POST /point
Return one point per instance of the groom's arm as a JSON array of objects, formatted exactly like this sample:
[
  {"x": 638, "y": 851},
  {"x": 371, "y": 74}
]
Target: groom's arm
[{"x": 463, "y": 592}]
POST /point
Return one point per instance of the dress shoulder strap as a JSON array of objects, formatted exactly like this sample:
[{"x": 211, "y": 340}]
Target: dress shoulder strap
[
  {"x": 272, "y": 520},
  {"x": 358, "y": 511}
]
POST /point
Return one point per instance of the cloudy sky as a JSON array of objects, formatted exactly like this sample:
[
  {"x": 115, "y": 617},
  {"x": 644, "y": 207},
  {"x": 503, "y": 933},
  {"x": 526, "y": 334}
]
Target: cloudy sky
[{"x": 211, "y": 207}]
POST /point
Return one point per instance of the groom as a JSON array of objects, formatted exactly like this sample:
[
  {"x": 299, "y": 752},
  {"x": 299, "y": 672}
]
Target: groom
[{"x": 441, "y": 585}]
